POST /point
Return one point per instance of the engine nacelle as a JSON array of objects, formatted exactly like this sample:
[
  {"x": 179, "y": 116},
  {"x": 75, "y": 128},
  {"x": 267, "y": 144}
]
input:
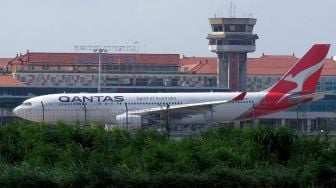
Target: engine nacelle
[{"x": 132, "y": 121}]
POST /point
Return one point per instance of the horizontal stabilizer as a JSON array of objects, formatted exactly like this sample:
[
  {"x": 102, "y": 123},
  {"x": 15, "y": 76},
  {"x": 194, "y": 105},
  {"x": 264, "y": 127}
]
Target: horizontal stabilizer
[{"x": 302, "y": 98}]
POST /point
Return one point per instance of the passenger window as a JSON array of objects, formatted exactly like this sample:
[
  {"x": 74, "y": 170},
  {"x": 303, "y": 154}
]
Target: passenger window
[{"x": 27, "y": 104}]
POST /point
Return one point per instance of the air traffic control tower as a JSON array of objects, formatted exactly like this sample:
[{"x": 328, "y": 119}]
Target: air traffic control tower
[{"x": 231, "y": 39}]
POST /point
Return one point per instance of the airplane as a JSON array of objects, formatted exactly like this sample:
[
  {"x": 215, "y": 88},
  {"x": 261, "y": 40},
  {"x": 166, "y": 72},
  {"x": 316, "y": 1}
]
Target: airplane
[{"x": 295, "y": 87}]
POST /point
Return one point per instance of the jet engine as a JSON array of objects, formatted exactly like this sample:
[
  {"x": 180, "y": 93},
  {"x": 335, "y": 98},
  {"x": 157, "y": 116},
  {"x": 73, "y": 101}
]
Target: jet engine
[{"x": 131, "y": 121}]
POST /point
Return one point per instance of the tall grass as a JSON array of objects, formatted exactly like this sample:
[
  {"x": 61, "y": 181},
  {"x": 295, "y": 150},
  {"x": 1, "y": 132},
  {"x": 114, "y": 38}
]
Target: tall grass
[{"x": 40, "y": 155}]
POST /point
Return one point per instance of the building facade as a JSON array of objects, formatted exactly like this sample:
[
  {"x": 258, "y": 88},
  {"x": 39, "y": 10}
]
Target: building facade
[{"x": 81, "y": 70}]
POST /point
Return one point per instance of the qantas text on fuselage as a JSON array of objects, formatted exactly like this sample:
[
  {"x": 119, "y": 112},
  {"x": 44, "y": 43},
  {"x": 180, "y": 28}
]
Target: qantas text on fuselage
[{"x": 84, "y": 98}]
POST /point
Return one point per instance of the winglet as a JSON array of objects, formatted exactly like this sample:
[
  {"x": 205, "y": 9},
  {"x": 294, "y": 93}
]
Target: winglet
[{"x": 239, "y": 97}]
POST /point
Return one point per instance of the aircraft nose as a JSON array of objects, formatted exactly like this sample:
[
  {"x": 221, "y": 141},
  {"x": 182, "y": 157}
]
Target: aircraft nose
[{"x": 15, "y": 111}]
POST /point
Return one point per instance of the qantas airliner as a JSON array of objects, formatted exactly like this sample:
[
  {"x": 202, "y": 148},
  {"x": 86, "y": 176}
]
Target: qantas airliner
[{"x": 295, "y": 87}]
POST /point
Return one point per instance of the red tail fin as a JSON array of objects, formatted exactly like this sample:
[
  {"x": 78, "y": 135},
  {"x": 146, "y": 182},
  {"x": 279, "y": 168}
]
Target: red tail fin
[
  {"x": 303, "y": 76},
  {"x": 301, "y": 79}
]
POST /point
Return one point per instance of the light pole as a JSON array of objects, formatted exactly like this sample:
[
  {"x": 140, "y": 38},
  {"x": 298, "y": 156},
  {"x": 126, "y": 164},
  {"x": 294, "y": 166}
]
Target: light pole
[
  {"x": 136, "y": 45},
  {"x": 126, "y": 115},
  {"x": 168, "y": 120},
  {"x": 254, "y": 115},
  {"x": 99, "y": 51},
  {"x": 297, "y": 118},
  {"x": 103, "y": 49},
  {"x": 42, "y": 111},
  {"x": 85, "y": 111}
]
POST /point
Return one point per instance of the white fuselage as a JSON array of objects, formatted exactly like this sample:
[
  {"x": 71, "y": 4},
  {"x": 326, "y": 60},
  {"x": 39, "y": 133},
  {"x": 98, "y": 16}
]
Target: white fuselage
[
  {"x": 105, "y": 107},
  {"x": 294, "y": 87}
]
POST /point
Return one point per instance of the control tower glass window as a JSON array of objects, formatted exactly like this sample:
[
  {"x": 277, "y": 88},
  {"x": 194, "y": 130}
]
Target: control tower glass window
[
  {"x": 249, "y": 28},
  {"x": 235, "y": 28},
  {"x": 237, "y": 42},
  {"x": 219, "y": 42},
  {"x": 217, "y": 28}
]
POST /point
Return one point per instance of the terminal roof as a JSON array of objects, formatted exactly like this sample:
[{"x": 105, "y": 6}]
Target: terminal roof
[
  {"x": 92, "y": 58},
  {"x": 8, "y": 80},
  {"x": 265, "y": 65}
]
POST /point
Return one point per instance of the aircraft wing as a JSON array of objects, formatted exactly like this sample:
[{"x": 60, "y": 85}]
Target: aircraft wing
[
  {"x": 183, "y": 109},
  {"x": 186, "y": 109}
]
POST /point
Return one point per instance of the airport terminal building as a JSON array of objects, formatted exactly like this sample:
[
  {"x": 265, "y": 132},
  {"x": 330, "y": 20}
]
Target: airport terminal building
[{"x": 38, "y": 73}]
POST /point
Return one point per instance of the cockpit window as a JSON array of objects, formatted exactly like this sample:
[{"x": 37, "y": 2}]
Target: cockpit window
[{"x": 27, "y": 104}]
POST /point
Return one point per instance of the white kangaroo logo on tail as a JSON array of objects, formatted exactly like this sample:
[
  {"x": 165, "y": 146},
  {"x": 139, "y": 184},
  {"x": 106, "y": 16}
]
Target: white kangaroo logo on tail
[{"x": 300, "y": 78}]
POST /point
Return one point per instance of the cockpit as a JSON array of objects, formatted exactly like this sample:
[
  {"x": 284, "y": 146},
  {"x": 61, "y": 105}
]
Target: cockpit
[{"x": 29, "y": 109}]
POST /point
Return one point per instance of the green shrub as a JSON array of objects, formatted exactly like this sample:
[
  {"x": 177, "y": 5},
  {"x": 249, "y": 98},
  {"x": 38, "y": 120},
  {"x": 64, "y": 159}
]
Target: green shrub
[{"x": 39, "y": 155}]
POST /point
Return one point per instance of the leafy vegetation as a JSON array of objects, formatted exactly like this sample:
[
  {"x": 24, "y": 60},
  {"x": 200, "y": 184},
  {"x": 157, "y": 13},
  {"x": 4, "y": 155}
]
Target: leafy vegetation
[{"x": 39, "y": 155}]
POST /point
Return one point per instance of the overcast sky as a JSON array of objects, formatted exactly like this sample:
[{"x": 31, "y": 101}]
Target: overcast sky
[{"x": 161, "y": 26}]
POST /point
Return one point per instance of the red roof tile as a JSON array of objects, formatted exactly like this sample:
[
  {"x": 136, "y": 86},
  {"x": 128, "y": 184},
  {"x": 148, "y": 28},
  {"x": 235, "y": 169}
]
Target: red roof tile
[
  {"x": 270, "y": 64},
  {"x": 264, "y": 65},
  {"x": 89, "y": 58},
  {"x": 8, "y": 80},
  {"x": 4, "y": 61},
  {"x": 279, "y": 65},
  {"x": 329, "y": 68},
  {"x": 199, "y": 65}
]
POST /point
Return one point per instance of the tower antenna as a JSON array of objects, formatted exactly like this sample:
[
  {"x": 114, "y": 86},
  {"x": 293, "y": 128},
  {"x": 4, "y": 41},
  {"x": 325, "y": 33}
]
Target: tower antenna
[{"x": 231, "y": 5}]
